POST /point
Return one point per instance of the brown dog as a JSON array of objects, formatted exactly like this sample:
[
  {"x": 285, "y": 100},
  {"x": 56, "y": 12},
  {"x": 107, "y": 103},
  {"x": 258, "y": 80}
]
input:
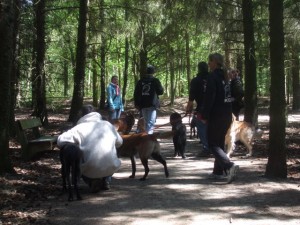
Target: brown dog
[
  {"x": 241, "y": 131},
  {"x": 146, "y": 145},
  {"x": 124, "y": 124}
]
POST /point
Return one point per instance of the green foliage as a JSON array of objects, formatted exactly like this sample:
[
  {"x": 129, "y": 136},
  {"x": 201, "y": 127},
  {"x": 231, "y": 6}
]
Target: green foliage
[{"x": 156, "y": 25}]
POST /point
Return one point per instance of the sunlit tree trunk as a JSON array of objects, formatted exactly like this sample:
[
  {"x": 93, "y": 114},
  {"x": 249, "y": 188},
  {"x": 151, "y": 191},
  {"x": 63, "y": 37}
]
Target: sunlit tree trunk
[
  {"x": 102, "y": 56},
  {"x": 188, "y": 58},
  {"x": 78, "y": 92},
  {"x": 126, "y": 57},
  {"x": 295, "y": 78},
  {"x": 276, "y": 166},
  {"x": 6, "y": 61},
  {"x": 250, "y": 63}
]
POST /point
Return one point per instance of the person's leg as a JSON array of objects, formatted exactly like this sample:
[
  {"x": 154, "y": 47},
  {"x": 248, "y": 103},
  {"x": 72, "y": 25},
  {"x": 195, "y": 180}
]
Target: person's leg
[
  {"x": 149, "y": 115},
  {"x": 118, "y": 113},
  {"x": 202, "y": 133},
  {"x": 216, "y": 131},
  {"x": 111, "y": 115}
]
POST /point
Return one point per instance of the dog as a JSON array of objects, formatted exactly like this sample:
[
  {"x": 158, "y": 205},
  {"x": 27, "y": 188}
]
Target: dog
[
  {"x": 146, "y": 145},
  {"x": 241, "y": 131},
  {"x": 124, "y": 125},
  {"x": 179, "y": 138},
  {"x": 70, "y": 157},
  {"x": 193, "y": 127}
]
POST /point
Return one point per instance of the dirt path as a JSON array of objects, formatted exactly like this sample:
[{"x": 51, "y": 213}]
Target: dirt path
[{"x": 186, "y": 197}]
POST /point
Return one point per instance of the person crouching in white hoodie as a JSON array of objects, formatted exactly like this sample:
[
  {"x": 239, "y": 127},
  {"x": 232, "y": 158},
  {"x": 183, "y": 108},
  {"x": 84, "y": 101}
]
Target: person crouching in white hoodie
[{"x": 98, "y": 140}]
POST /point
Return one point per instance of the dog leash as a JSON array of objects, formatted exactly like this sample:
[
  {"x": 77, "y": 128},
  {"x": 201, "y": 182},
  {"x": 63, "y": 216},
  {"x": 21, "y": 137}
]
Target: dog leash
[{"x": 165, "y": 124}]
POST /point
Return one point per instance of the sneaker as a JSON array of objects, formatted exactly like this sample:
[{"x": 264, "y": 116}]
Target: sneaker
[
  {"x": 216, "y": 177},
  {"x": 232, "y": 173}
]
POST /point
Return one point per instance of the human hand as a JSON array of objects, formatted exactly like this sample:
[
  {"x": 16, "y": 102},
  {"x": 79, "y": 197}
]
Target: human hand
[{"x": 189, "y": 107}]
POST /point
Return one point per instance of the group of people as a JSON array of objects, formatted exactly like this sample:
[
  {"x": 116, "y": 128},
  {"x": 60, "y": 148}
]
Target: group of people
[
  {"x": 218, "y": 94},
  {"x": 211, "y": 89}
]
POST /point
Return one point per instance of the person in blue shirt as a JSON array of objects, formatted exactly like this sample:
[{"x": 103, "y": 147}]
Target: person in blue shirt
[{"x": 114, "y": 99}]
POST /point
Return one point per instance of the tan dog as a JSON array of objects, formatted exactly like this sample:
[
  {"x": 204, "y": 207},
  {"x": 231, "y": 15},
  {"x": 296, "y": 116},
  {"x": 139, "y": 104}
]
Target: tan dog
[
  {"x": 146, "y": 145},
  {"x": 241, "y": 131}
]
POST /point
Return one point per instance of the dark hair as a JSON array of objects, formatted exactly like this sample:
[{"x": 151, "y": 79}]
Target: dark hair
[
  {"x": 150, "y": 69},
  {"x": 202, "y": 67},
  {"x": 115, "y": 76},
  {"x": 86, "y": 109}
]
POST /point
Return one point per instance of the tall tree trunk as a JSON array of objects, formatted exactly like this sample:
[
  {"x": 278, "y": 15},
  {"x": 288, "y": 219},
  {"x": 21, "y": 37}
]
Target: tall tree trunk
[
  {"x": 250, "y": 63},
  {"x": 6, "y": 61},
  {"x": 95, "y": 81},
  {"x": 126, "y": 57},
  {"x": 172, "y": 75},
  {"x": 102, "y": 56},
  {"x": 40, "y": 109},
  {"x": 15, "y": 72},
  {"x": 276, "y": 166},
  {"x": 295, "y": 77},
  {"x": 78, "y": 92},
  {"x": 143, "y": 53},
  {"x": 66, "y": 78},
  {"x": 188, "y": 58}
]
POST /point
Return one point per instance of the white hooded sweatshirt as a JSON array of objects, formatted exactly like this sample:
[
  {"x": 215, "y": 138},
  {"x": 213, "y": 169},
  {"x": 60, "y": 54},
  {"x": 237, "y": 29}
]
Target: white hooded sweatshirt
[{"x": 98, "y": 140}]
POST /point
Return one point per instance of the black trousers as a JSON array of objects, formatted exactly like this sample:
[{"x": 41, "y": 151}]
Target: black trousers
[{"x": 216, "y": 131}]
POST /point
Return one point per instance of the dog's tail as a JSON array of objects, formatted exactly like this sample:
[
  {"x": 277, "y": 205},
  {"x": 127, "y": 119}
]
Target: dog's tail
[{"x": 163, "y": 135}]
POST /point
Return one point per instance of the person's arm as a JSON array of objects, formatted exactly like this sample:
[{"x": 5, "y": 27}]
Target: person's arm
[
  {"x": 110, "y": 98},
  {"x": 159, "y": 88},
  {"x": 70, "y": 136}
]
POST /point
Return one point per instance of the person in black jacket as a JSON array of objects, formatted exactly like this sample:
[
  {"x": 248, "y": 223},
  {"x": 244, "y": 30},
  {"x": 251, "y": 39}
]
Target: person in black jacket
[
  {"x": 217, "y": 113},
  {"x": 197, "y": 93},
  {"x": 146, "y": 93}
]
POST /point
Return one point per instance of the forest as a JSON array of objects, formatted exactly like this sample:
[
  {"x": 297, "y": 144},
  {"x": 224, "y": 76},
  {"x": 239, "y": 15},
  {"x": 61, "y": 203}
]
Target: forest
[{"x": 56, "y": 50}]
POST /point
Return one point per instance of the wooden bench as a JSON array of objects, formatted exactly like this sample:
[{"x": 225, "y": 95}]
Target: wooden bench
[{"x": 31, "y": 140}]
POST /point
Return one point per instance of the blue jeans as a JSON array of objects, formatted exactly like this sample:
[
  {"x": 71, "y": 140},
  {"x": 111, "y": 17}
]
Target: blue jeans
[
  {"x": 202, "y": 133},
  {"x": 114, "y": 114},
  {"x": 149, "y": 115}
]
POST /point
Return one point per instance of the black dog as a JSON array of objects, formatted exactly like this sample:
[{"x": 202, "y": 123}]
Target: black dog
[
  {"x": 193, "y": 126},
  {"x": 179, "y": 138},
  {"x": 70, "y": 156}
]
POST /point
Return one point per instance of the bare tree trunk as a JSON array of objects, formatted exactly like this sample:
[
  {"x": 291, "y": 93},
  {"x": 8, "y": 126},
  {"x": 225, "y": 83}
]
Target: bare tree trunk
[
  {"x": 172, "y": 74},
  {"x": 95, "y": 80},
  {"x": 295, "y": 78},
  {"x": 6, "y": 61},
  {"x": 188, "y": 58},
  {"x": 276, "y": 166},
  {"x": 40, "y": 109},
  {"x": 126, "y": 58},
  {"x": 250, "y": 63},
  {"x": 66, "y": 79},
  {"x": 15, "y": 72},
  {"x": 102, "y": 56},
  {"x": 78, "y": 92}
]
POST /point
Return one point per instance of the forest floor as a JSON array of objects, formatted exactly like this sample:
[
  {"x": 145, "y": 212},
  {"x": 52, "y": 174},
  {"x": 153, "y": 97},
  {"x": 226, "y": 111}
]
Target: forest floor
[{"x": 32, "y": 195}]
